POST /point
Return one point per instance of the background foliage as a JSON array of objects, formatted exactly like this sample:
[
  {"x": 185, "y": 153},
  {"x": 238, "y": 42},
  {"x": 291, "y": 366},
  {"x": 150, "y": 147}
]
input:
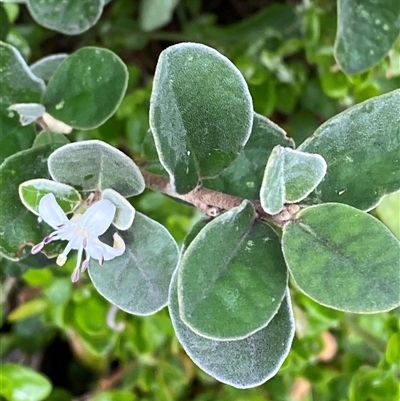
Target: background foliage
[{"x": 54, "y": 341}]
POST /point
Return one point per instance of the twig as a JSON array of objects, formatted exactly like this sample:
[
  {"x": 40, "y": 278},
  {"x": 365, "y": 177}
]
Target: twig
[{"x": 213, "y": 202}]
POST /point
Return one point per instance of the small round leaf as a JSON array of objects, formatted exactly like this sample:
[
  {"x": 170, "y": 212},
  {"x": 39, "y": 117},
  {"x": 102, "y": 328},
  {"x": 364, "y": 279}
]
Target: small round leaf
[
  {"x": 343, "y": 258},
  {"x": 86, "y": 88},
  {"x": 95, "y": 165},
  {"x": 242, "y": 363},
  {"x": 138, "y": 280}
]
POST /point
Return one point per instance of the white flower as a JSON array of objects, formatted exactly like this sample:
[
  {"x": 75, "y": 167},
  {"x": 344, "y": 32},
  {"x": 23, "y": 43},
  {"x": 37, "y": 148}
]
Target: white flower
[{"x": 81, "y": 232}]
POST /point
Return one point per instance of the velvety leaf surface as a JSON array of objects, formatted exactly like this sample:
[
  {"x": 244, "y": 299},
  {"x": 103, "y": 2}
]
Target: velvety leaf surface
[
  {"x": 32, "y": 191},
  {"x": 48, "y": 137},
  {"x": 343, "y": 258},
  {"x": 95, "y": 165},
  {"x": 289, "y": 177},
  {"x": 86, "y": 88},
  {"x": 242, "y": 363},
  {"x": 125, "y": 212},
  {"x": 193, "y": 233},
  {"x": 19, "y": 383},
  {"x": 20, "y": 227},
  {"x": 154, "y": 14},
  {"x": 361, "y": 147},
  {"x": 47, "y": 66},
  {"x": 201, "y": 113},
  {"x": 18, "y": 85},
  {"x": 138, "y": 281},
  {"x": 232, "y": 277},
  {"x": 70, "y": 17},
  {"x": 366, "y": 31},
  {"x": 244, "y": 175}
]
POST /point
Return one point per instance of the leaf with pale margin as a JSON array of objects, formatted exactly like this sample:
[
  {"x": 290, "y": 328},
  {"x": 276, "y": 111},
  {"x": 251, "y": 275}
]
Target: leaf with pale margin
[
  {"x": 154, "y": 14},
  {"x": 20, "y": 227},
  {"x": 343, "y": 258},
  {"x": 31, "y": 191},
  {"x": 49, "y": 137},
  {"x": 138, "y": 281},
  {"x": 28, "y": 112},
  {"x": 289, "y": 177},
  {"x": 87, "y": 88},
  {"x": 194, "y": 231},
  {"x": 201, "y": 113},
  {"x": 361, "y": 147},
  {"x": 125, "y": 212},
  {"x": 242, "y": 363},
  {"x": 243, "y": 177},
  {"x": 70, "y": 17},
  {"x": 18, "y": 85},
  {"x": 95, "y": 165},
  {"x": 366, "y": 31},
  {"x": 232, "y": 277},
  {"x": 47, "y": 66}
]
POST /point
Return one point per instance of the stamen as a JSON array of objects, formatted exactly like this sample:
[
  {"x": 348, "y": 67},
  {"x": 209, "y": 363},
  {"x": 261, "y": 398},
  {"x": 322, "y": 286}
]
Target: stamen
[
  {"x": 61, "y": 226},
  {"x": 85, "y": 265},
  {"x": 75, "y": 275},
  {"x": 48, "y": 239},
  {"x": 61, "y": 259},
  {"x": 37, "y": 248}
]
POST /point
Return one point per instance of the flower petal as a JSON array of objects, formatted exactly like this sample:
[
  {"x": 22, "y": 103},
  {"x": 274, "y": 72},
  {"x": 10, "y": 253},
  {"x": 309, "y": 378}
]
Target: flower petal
[
  {"x": 98, "y": 217},
  {"x": 51, "y": 212},
  {"x": 97, "y": 249}
]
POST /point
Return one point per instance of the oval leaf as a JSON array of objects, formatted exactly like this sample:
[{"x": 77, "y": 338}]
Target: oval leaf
[
  {"x": 389, "y": 213},
  {"x": 289, "y": 177},
  {"x": 154, "y": 14},
  {"x": 20, "y": 227},
  {"x": 242, "y": 363},
  {"x": 21, "y": 383},
  {"x": 244, "y": 175},
  {"x": 18, "y": 85},
  {"x": 30, "y": 193},
  {"x": 86, "y": 88},
  {"x": 343, "y": 258},
  {"x": 47, "y": 66},
  {"x": 232, "y": 277},
  {"x": 365, "y": 32},
  {"x": 201, "y": 113},
  {"x": 138, "y": 281},
  {"x": 95, "y": 165},
  {"x": 361, "y": 147},
  {"x": 125, "y": 212},
  {"x": 49, "y": 138},
  {"x": 70, "y": 17}
]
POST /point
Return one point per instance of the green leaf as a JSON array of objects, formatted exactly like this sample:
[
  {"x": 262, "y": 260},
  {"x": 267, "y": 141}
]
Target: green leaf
[
  {"x": 95, "y": 165},
  {"x": 19, "y": 383},
  {"x": 343, "y": 258},
  {"x": 201, "y": 113},
  {"x": 50, "y": 138},
  {"x": 154, "y": 14},
  {"x": 47, "y": 66},
  {"x": 232, "y": 277},
  {"x": 125, "y": 211},
  {"x": 194, "y": 231},
  {"x": 242, "y": 363},
  {"x": 388, "y": 211},
  {"x": 137, "y": 282},
  {"x": 18, "y": 85},
  {"x": 393, "y": 349},
  {"x": 5, "y": 23},
  {"x": 27, "y": 309},
  {"x": 70, "y": 17},
  {"x": 86, "y": 88},
  {"x": 366, "y": 31},
  {"x": 244, "y": 175},
  {"x": 20, "y": 227},
  {"x": 361, "y": 147},
  {"x": 289, "y": 177},
  {"x": 32, "y": 191}
]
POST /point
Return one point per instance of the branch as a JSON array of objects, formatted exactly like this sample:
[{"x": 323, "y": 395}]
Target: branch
[{"x": 212, "y": 202}]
